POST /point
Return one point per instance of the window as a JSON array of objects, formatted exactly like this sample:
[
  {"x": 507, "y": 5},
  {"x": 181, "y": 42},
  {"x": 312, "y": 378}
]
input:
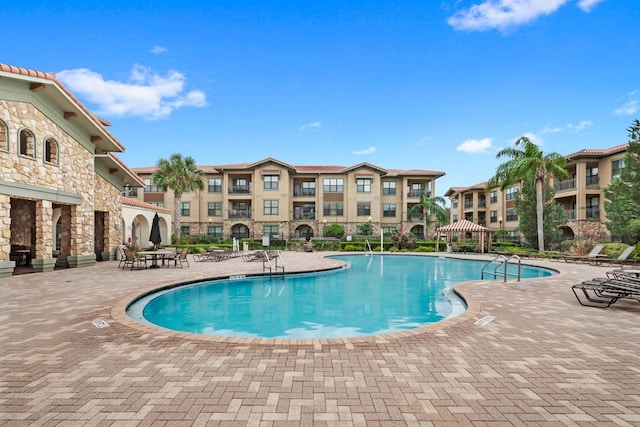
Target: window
[
  {"x": 455, "y": 218},
  {"x": 416, "y": 190},
  {"x": 214, "y": 209},
  {"x": 149, "y": 187},
  {"x": 304, "y": 189},
  {"x": 363, "y": 185},
  {"x": 51, "y": 151},
  {"x": 185, "y": 229},
  {"x": 593, "y": 207},
  {"x": 493, "y": 197},
  {"x": 512, "y": 214},
  {"x": 214, "y": 231},
  {"x": 617, "y": 166},
  {"x": 27, "y": 144},
  {"x": 270, "y": 230},
  {"x": 388, "y": 188},
  {"x": 493, "y": 216},
  {"x": 304, "y": 211},
  {"x": 215, "y": 185},
  {"x": 389, "y": 210},
  {"x": 389, "y": 230},
  {"x": 592, "y": 175},
  {"x": 363, "y": 208},
  {"x": 511, "y": 193},
  {"x": 271, "y": 182},
  {"x": 333, "y": 208},
  {"x": 4, "y": 136},
  {"x": 454, "y": 203},
  {"x": 271, "y": 207},
  {"x": 333, "y": 185},
  {"x": 186, "y": 209}
]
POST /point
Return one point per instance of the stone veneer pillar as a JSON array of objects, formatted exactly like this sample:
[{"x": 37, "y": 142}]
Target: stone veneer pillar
[
  {"x": 6, "y": 265},
  {"x": 43, "y": 260}
]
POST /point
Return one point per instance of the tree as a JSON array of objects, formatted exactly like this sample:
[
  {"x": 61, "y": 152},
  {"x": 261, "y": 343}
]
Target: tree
[
  {"x": 529, "y": 163},
  {"x": 180, "y": 174},
  {"x": 554, "y": 215},
  {"x": 432, "y": 208},
  {"x": 622, "y": 196}
]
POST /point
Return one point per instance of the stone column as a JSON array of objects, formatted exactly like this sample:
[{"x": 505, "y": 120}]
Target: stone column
[
  {"x": 43, "y": 260},
  {"x": 6, "y": 265}
]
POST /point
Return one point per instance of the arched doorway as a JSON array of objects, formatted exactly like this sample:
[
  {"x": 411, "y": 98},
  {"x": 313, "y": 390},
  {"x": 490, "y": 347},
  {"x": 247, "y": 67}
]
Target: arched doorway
[
  {"x": 418, "y": 231},
  {"x": 302, "y": 231},
  {"x": 240, "y": 231}
]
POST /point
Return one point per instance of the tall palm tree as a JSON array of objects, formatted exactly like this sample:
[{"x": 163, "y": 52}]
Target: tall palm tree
[
  {"x": 432, "y": 207},
  {"x": 180, "y": 174},
  {"x": 529, "y": 163}
]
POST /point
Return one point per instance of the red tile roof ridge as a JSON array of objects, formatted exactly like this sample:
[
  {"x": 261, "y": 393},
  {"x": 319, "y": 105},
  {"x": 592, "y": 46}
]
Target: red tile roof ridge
[{"x": 139, "y": 203}]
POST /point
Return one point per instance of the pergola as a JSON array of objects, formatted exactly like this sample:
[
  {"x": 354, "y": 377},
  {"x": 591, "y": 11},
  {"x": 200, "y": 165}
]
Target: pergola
[{"x": 465, "y": 226}]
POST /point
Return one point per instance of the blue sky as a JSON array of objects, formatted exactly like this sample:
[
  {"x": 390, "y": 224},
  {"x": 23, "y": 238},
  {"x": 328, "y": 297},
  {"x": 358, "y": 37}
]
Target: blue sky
[{"x": 438, "y": 85}]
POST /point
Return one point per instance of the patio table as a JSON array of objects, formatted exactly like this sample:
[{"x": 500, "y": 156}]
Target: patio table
[{"x": 155, "y": 256}]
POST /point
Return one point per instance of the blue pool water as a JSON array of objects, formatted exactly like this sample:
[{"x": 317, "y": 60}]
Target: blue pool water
[{"x": 375, "y": 295}]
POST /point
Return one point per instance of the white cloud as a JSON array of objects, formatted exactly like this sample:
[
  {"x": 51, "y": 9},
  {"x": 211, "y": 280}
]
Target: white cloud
[
  {"x": 369, "y": 150},
  {"x": 630, "y": 106},
  {"x": 533, "y": 138},
  {"x": 158, "y": 49},
  {"x": 145, "y": 94},
  {"x": 588, "y": 5},
  {"x": 310, "y": 125},
  {"x": 580, "y": 126},
  {"x": 475, "y": 145},
  {"x": 548, "y": 129}
]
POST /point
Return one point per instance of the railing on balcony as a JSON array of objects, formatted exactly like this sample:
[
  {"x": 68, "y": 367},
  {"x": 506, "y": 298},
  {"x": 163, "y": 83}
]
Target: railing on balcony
[
  {"x": 418, "y": 193},
  {"x": 593, "y": 213},
  {"x": 239, "y": 214},
  {"x": 468, "y": 205},
  {"x": 304, "y": 192},
  {"x": 571, "y": 214},
  {"x": 593, "y": 180},
  {"x": 565, "y": 184},
  {"x": 416, "y": 217},
  {"x": 240, "y": 189},
  {"x": 482, "y": 203},
  {"x": 306, "y": 216}
]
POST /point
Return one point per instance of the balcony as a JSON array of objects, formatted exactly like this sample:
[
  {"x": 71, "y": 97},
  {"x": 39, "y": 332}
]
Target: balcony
[
  {"x": 239, "y": 214},
  {"x": 240, "y": 189},
  {"x": 418, "y": 193},
  {"x": 593, "y": 213},
  {"x": 482, "y": 203},
  {"x": 565, "y": 184},
  {"x": 415, "y": 217},
  {"x": 570, "y": 213},
  {"x": 304, "y": 192},
  {"x": 304, "y": 216},
  {"x": 593, "y": 180},
  {"x": 468, "y": 205}
]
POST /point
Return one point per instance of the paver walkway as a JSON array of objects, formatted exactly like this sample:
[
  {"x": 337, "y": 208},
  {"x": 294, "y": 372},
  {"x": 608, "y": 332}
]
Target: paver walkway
[{"x": 543, "y": 360}]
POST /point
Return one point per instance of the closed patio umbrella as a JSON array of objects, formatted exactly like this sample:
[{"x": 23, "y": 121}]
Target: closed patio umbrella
[{"x": 154, "y": 237}]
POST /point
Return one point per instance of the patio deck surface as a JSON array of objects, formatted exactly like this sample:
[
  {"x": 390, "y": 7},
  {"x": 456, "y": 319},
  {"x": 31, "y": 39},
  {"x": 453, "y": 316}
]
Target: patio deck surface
[{"x": 543, "y": 360}]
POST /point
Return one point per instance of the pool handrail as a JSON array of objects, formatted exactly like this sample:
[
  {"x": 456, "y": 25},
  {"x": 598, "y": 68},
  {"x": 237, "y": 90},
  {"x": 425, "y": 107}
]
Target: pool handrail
[{"x": 500, "y": 261}]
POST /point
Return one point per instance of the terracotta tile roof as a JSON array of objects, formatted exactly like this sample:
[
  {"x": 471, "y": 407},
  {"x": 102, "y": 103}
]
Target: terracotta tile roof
[
  {"x": 402, "y": 172},
  {"x": 319, "y": 169},
  {"x": 479, "y": 186},
  {"x": 99, "y": 123},
  {"x": 141, "y": 204},
  {"x": 588, "y": 152}
]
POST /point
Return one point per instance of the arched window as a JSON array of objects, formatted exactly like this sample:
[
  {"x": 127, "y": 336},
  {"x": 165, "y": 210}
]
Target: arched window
[
  {"x": 27, "y": 144},
  {"x": 4, "y": 136},
  {"x": 51, "y": 151}
]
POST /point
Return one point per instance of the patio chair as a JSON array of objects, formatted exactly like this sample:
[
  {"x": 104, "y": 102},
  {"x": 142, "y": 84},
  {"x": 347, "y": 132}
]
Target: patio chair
[
  {"x": 180, "y": 258},
  {"x": 593, "y": 255},
  {"x": 133, "y": 260},
  {"x": 603, "y": 292},
  {"x": 622, "y": 259}
]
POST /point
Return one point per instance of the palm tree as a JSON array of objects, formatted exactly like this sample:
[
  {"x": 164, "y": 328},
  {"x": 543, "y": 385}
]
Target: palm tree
[
  {"x": 529, "y": 163},
  {"x": 431, "y": 207},
  {"x": 179, "y": 174}
]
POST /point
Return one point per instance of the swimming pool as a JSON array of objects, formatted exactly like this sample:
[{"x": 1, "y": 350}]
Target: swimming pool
[{"x": 373, "y": 295}]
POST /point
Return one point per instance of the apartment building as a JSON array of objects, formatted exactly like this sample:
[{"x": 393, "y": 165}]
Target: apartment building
[
  {"x": 271, "y": 197},
  {"x": 589, "y": 171}
]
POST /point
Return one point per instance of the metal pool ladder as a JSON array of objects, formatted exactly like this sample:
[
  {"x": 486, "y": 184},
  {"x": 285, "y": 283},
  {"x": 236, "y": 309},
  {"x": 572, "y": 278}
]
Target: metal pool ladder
[
  {"x": 368, "y": 245},
  {"x": 273, "y": 268},
  {"x": 500, "y": 266}
]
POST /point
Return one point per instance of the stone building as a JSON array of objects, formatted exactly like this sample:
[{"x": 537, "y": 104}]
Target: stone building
[{"x": 60, "y": 184}]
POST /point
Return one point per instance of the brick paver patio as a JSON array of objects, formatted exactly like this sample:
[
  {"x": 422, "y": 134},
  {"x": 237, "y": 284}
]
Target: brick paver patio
[{"x": 544, "y": 360}]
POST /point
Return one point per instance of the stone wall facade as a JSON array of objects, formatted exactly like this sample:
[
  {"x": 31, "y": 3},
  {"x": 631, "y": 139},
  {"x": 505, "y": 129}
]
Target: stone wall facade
[{"x": 108, "y": 201}]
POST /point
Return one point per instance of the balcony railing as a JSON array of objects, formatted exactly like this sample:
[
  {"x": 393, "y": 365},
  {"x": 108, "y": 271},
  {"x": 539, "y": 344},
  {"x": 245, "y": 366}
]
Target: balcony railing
[
  {"x": 593, "y": 213},
  {"x": 239, "y": 214},
  {"x": 571, "y": 214},
  {"x": 565, "y": 184},
  {"x": 240, "y": 189},
  {"x": 468, "y": 205},
  {"x": 306, "y": 216},
  {"x": 415, "y": 217},
  {"x": 418, "y": 193},
  {"x": 305, "y": 192},
  {"x": 593, "y": 180},
  {"x": 482, "y": 203}
]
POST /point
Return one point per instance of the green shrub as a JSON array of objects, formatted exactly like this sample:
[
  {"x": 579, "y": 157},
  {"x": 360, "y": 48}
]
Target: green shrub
[{"x": 353, "y": 248}]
